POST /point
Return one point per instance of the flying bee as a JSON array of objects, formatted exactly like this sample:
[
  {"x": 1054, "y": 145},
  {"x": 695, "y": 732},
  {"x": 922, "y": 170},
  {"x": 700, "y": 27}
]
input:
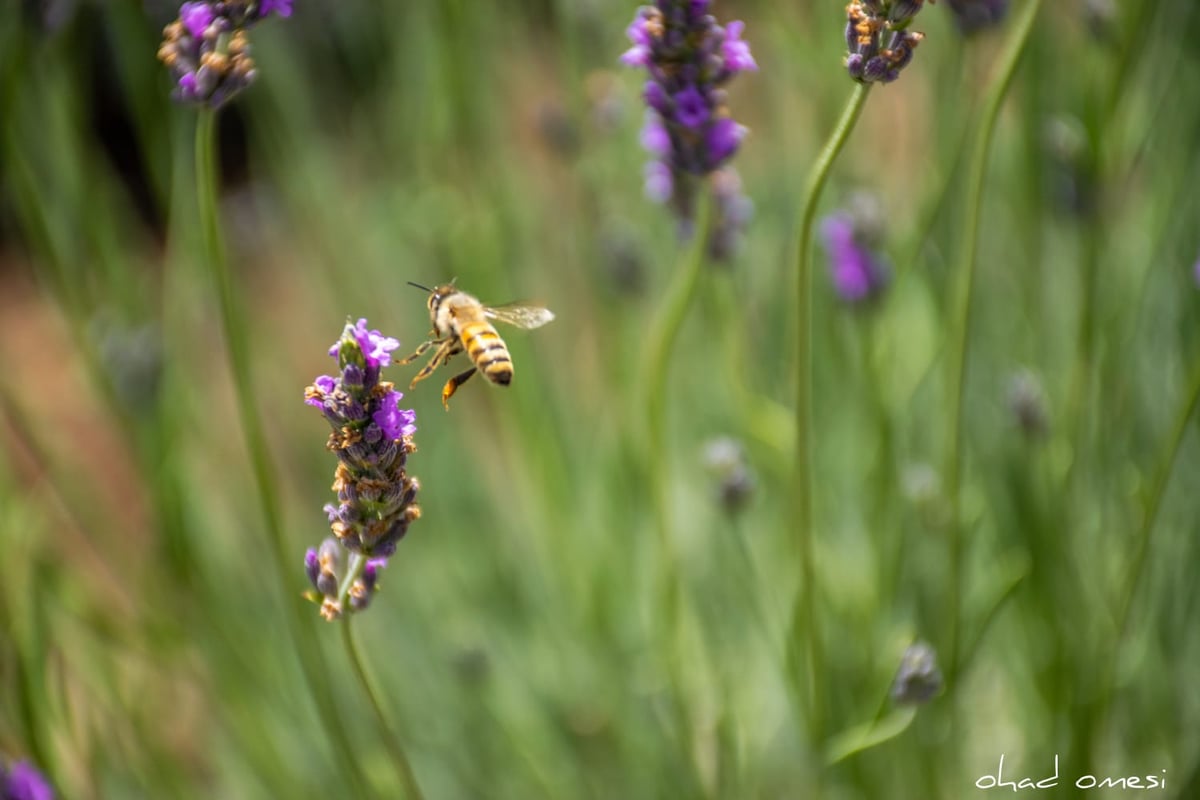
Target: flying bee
[{"x": 460, "y": 323}]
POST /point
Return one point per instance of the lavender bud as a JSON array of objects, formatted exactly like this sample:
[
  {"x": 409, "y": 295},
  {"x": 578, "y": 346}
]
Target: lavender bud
[
  {"x": 918, "y": 679},
  {"x": 859, "y": 273},
  {"x": 1072, "y": 181},
  {"x": 973, "y": 16},
  {"x": 1027, "y": 403},
  {"x": 726, "y": 460},
  {"x": 878, "y": 44}
]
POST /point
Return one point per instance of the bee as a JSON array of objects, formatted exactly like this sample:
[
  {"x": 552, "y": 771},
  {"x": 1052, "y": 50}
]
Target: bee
[{"x": 460, "y": 323}]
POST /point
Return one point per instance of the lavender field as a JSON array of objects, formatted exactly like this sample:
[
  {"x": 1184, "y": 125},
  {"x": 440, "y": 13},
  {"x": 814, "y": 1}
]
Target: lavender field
[{"x": 824, "y": 389}]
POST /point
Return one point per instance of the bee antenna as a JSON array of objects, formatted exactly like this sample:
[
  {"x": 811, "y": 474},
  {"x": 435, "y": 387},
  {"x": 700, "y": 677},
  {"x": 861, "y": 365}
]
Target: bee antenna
[{"x": 419, "y": 286}]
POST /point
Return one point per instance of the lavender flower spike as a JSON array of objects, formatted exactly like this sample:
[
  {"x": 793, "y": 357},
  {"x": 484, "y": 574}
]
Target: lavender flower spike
[
  {"x": 877, "y": 36},
  {"x": 372, "y": 438},
  {"x": 688, "y": 58},
  {"x": 858, "y": 273},
  {"x": 207, "y": 49}
]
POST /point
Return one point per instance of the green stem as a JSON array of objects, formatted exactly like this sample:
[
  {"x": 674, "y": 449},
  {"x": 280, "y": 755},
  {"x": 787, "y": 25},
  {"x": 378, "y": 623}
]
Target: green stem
[
  {"x": 961, "y": 320},
  {"x": 301, "y": 625},
  {"x": 412, "y": 789},
  {"x": 1162, "y": 478},
  {"x": 661, "y": 341},
  {"x": 804, "y": 612}
]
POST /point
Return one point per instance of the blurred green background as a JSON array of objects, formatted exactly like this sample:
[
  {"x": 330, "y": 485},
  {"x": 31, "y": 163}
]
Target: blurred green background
[{"x": 145, "y": 650}]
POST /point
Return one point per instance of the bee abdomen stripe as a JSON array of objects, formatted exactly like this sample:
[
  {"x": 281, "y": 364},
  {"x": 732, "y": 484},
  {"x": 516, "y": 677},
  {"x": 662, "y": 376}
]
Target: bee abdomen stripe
[
  {"x": 477, "y": 345},
  {"x": 471, "y": 338},
  {"x": 494, "y": 361}
]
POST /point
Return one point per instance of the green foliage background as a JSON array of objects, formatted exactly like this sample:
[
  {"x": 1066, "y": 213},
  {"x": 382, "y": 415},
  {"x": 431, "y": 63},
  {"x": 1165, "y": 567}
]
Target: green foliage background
[{"x": 517, "y": 641}]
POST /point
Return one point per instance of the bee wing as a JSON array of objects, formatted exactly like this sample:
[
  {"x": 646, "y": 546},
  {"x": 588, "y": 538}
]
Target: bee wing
[{"x": 522, "y": 315}]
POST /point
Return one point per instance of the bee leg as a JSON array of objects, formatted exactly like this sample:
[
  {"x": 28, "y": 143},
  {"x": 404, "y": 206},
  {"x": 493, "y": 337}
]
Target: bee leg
[
  {"x": 452, "y": 386},
  {"x": 419, "y": 351},
  {"x": 439, "y": 358}
]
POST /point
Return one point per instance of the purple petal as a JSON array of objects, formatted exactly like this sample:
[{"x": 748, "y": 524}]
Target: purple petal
[
  {"x": 722, "y": 140},
  {"x": 636, "y": 56},
  {"x": 281, "y": 7},
  {"x": 691, "y": 109},
  {"x": 655, "y": 138},
  {"x": 196, "y": 17},
  {"x": 392, "y": 420},
  {"x": 26, "y": 783},
  {"x": 637, "y": 33},
  {"x": 656, "y": 97},
  {"x": 376, "y": 347},
  {"x": 312, "y": 565},
  {"x": 325, "y": 385},
  {"x": 736, "y": 52},
  {"x": 188, "y": 86},
  {"x": 856, "y": 272}
]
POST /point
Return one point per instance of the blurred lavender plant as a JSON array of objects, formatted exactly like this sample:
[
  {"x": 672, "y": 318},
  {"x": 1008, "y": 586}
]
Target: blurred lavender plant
[
  {"x": 1027, "y": 404},
  {"x": 918, "y": 678},
  {"x": 1071, "y": 176},
  {"x": 878, "y": 38},
  {"x": 133, "y": 356},
  {"x": 21, "y": 781},
  {"x": 726, "y": 460},
  {"x": 851, "y": 238},
  {"x": 207, "y": 49},
  {"x": 688, "y": 130},
  {"x": 372, "y": 438},
  {"x": 973, "y": 16},
  {"x": 1101, "y": 19}
]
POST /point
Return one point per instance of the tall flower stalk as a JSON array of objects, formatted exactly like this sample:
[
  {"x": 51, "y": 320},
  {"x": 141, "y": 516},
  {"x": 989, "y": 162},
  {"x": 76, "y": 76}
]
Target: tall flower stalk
[
  {"x": 688, "y": 58},
  {"x": 960, "y": 321},
  {"x": 804, "y": 618},
  {"x": 235, "y": 334},
  {"x": 879, "y": 47},
  {"x": 207, "y": 53}
]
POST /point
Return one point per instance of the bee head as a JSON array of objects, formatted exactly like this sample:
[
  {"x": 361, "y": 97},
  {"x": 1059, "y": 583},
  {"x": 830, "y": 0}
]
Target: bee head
[{"x": 438, "y": 293}]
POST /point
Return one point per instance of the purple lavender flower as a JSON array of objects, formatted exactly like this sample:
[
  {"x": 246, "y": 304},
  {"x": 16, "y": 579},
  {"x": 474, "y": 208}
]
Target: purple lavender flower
[
  {"x": 375, "y": 347},
  {"x": 688, "y": 58},
  {"x": 326, "y": 572},
  {"x": 196, "y": 17},
  {"x": 736, "y": 52},
  {"x": 364, "y": 588},
  {"x": 1196, "y": 272},
  {"x": 207, "y": 49},
  {"x": 392, "y": 420},
  {"x": 858, "y": 273},
  {"x": 973, "y": 16},
  {"x": 21, "y": 781},
  {"x": 372, "y": 438},
  {"x": 879, "y": 43}
]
